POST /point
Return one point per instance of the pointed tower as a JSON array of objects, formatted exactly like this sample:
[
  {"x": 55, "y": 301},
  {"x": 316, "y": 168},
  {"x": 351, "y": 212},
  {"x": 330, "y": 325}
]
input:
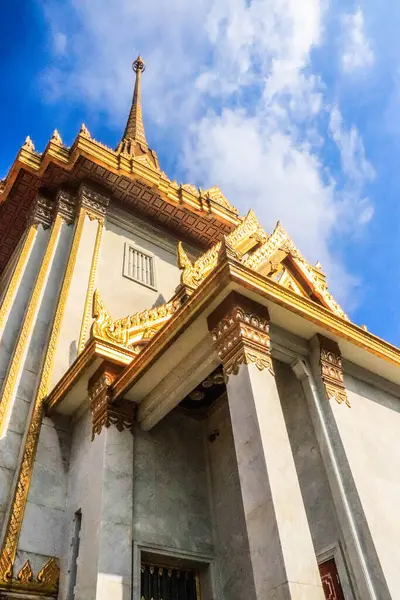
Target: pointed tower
[{"x": 133, "y": 142}]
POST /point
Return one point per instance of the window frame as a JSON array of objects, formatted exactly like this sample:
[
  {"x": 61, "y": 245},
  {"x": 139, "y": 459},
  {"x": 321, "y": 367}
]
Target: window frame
[{"x": 125, "y": 269}]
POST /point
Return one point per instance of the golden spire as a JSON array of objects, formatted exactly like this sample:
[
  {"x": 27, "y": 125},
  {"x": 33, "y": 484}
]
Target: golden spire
[{"x": 134, "y": 130}]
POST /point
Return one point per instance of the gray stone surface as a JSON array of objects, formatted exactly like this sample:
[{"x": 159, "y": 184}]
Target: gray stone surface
[
  {"x": 42, "y": 530},
  {"x": 279, "y": 537},
  {"x": 369, "y": 433},
  {"x": 310, "y": 470},
  {"x": 171, "y": 504},
  {"x": 232, "y": 549}
]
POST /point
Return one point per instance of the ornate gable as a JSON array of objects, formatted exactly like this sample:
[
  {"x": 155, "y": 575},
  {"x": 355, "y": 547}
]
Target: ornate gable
[{"x": 274, "y": 256}]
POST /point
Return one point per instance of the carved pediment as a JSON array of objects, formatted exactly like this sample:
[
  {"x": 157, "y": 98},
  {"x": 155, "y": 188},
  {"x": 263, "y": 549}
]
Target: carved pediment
[
  {"x": 214, "y": 194},
  {"x": 266, "y": 254}
]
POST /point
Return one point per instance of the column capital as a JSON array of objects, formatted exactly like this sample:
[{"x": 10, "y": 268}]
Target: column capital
[
  {"x": 66, "y": 205},
  {"x": 330, "y": 368},
  {"x": 41, "y": 212},
  {"x": 105, "y": 412},
  {"x": 93, "y": 201},
  {"x": 240, "y": 330}
]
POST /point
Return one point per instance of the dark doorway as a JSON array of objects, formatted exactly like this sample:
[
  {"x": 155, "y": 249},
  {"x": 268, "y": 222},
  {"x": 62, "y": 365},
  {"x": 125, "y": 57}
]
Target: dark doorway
[{"x": 166, "y": 583}]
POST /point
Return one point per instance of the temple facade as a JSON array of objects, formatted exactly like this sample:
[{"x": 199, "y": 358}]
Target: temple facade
[{"x": 186, "y": 413}]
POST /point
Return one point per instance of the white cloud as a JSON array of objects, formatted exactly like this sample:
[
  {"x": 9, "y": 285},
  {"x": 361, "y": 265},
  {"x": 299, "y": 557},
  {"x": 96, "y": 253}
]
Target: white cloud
[
  {"x": 357, "y": 51},
  {"x": 352, "y": 151},
  {"x": 230, "y": 83},
  {"x": 356, "y": 169},
  {"x": 59, "y": 43}
]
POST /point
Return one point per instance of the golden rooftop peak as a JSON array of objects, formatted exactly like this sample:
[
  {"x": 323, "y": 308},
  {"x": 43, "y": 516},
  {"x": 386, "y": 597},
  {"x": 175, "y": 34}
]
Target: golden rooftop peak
[{"x": 134, "y": 130}]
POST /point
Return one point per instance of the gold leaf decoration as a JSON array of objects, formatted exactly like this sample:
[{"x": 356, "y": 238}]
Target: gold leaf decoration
[
  {"x": 133, "y": 329},
  {"x": 26, "y": 574},
  {"x": 49, "y": 575}
]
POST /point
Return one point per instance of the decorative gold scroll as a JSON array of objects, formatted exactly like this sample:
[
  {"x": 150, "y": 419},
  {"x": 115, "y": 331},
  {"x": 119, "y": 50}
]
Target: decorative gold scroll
[
  {"x": 193, "y": 274},
  {"x": 240, "y": 330},
  {"x": 14, "y": 524},
  {"x": 239, "y": 241},
  {"x": 332, "y": 371},
  {"x": 130, "y": 330}
]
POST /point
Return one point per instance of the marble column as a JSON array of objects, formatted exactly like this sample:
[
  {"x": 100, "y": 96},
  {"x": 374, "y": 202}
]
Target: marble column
[
  {"x": 105, "y": 553},
  {"x": 23, "y": 390},
  {"x": 323, "y": 384},
  {"x": 282, "y": 554}
]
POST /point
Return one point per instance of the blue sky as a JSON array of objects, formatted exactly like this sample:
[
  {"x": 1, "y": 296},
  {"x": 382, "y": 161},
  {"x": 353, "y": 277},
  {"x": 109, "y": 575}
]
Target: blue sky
[{"x": 291, "y": 107}]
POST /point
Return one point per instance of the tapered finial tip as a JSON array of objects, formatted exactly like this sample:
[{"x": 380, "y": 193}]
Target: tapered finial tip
[{"x": 138, "y": 64}]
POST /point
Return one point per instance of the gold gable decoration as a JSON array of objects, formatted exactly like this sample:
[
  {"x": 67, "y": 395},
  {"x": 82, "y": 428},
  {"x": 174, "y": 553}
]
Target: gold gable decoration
[
  {"x": 135, "y": 329},
  {"x": 215, "y": 195},
  {"x": 254, "y": 248}
]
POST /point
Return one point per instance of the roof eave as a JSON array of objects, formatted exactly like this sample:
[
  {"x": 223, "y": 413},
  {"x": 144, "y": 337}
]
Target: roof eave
[{"x": 357, "y": 345}]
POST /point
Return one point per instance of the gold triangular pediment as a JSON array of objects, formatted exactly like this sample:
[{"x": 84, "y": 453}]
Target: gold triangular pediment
[
  {"x": 286, "y": 279},
  {"x": 266, "y": 254},
  {"x": 215, "y": 195},
  {"x": 302, "y": 277},
  {"x": 144, "y": 160}
]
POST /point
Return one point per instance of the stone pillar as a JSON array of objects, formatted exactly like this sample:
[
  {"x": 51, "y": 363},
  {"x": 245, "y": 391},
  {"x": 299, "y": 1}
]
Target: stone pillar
[
  {"x": 105, "y": 554},
  {"x": 17, "y": 284},
  {"x": 282, "y": 554},
  {"x": 38, "y": 222},
  {"x": 28, "y": 377},
  {"x": 322, "y": 382}
]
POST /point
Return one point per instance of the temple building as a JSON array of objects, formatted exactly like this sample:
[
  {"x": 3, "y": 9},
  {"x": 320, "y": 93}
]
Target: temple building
[{"x": 186, "y": 413}]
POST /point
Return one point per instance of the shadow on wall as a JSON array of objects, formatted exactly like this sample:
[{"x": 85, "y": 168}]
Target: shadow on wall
[{"x": 159, "y": 301}]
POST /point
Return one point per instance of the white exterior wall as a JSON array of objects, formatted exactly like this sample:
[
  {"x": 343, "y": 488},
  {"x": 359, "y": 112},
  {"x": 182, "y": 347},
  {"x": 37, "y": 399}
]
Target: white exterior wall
[
  {"x": 369, "y": 431},
  {"x": 309, "y": 467},
  {"x": 123, "y": 296},
  {"x": 67, "y": 346}
]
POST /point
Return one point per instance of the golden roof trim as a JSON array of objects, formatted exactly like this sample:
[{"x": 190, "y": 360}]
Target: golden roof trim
[
  {"x": 120, "y": 164},
  {"x": 247, "y": 235},
  {"x": 95, "y": 348},
  {"x": 233, "y": 272}
]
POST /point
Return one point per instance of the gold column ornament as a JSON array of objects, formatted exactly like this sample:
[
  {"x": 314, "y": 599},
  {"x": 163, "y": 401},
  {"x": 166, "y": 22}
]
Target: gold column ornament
[
  {"x": 105, "y": 412},
  {"x": 66, "y": 206},
  {"x": 240, "y": 330},
  {"x": 48, "y": 576},
  {"x": 93, "y": 201},
  {"x": 331, "y": 370}
]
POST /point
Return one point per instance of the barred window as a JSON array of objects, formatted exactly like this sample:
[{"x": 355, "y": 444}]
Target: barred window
[{"x": 139, "y": 266}]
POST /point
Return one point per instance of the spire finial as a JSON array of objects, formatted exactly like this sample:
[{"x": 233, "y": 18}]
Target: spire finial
[
  {"x": 134, "y": 130},
  {"x": 138, "y": 65}
]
